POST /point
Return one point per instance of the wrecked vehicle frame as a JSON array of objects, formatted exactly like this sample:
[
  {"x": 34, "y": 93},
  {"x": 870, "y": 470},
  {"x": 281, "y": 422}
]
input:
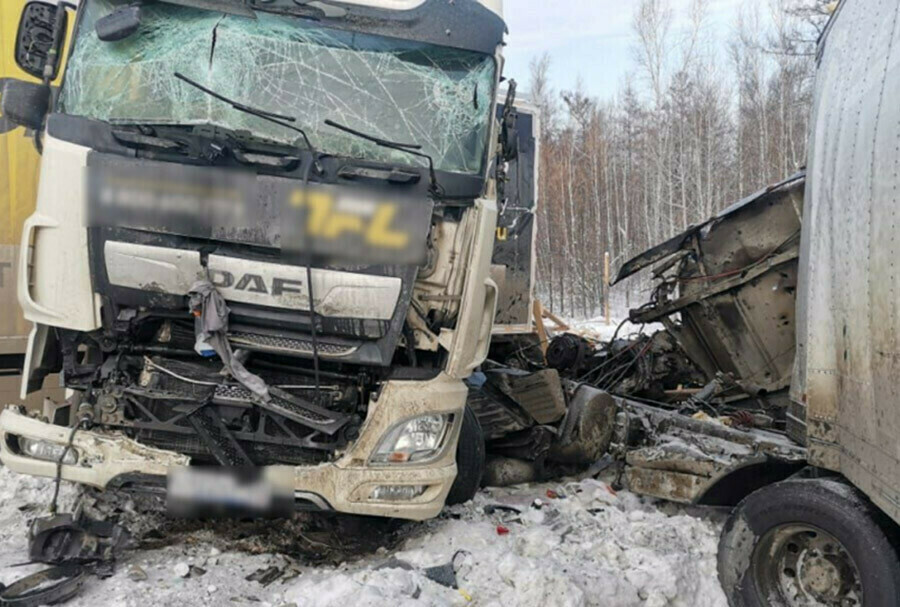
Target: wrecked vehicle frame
[
  {"x": 697, "y": 412},
  {"x": 340, "y": 281}
]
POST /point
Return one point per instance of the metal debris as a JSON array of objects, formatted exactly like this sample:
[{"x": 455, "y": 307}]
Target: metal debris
[{"x": 265, "y": 575}]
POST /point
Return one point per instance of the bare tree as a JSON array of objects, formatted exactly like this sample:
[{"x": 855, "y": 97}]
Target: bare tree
[
  {"x": 652, "y": 24},
  {"x": 620, "y": 176}
]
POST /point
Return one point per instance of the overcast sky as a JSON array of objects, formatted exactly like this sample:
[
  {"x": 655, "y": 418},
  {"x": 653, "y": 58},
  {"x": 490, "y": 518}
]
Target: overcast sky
[{"x": 590, "y": 38}]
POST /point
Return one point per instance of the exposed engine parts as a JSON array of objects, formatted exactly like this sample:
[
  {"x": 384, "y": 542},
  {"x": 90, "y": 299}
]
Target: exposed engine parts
[
  {"x": 642, "y": 365},
  {"x": 192, "y": 408},
  {"x": 147, "y": 381},
  {"x": 536, "y": 424},
  {"x": 696, "y": 400}
]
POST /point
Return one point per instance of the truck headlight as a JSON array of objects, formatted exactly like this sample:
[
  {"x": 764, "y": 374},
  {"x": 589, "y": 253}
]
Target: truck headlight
[
  {"x": 45, "y": 450},
  {"x": 414, "y": 440}
]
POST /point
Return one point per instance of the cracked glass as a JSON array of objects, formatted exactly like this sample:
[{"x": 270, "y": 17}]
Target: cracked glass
[{"x": 399, "y": 90}]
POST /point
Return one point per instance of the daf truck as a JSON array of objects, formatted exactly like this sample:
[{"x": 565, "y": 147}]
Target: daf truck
[{"x": 263, "y": 239}]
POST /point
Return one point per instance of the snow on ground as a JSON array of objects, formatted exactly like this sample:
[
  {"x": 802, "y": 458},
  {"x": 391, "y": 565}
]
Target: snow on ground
[
  {"x": 597, "y": 328},
  {"x": 585, "y": 545}
]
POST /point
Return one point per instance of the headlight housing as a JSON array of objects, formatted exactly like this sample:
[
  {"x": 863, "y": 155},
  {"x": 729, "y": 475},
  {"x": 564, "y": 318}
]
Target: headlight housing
[
  {"x": 46, "y": 450},
  {"x": 414, "y": 440}
]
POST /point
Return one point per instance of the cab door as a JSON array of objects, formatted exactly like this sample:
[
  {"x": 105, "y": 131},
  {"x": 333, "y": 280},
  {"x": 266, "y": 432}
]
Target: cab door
[{"x": 19, "y": 168}]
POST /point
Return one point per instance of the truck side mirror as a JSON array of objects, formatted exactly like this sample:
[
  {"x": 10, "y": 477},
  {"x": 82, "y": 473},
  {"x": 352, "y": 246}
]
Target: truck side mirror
[
  {"x": 25, "y": 103},
  {"x": 510, "y": 142},
  {"x": 119, "y": 24},
  {"x": 39, "y": 38},
  {"x": 509, "y": 135}
]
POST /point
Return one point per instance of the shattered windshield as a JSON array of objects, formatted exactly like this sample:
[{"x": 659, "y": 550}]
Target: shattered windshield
[{"x": 404, "y": 91}]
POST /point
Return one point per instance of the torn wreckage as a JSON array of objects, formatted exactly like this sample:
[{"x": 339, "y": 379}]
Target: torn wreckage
[{"x": 694, "y": 413}]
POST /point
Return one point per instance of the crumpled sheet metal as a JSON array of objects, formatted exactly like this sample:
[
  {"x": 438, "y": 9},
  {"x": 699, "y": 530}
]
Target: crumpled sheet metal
[
  {"x": 402, "y": 91},
  {"x": 682, "y": 466},
  {"x": 211, "y": 330},
  {"x": 681, "y": 458}
]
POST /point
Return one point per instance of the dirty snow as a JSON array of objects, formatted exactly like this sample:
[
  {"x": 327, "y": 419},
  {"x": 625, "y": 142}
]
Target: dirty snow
[
  {"x": 597, "y": 328},
  {"x": 585, "y": 544}
]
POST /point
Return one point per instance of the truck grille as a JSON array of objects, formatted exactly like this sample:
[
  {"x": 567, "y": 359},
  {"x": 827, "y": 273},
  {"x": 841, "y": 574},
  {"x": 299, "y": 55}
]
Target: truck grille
[
  {"x": 239, "y": 394},
  {"x": 273, "y": 343}
]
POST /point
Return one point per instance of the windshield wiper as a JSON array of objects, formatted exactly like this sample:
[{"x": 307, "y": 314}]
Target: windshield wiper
[
  {"x": 140, "y": 137},
  {"x": 278, "y": 119},
  {"x": 246, "y": 147},
  {"x": 409, "y": 148}
]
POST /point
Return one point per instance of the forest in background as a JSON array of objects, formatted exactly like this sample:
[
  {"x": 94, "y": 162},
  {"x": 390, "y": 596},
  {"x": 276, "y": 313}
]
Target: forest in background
[{"x": 697, "y": 125}]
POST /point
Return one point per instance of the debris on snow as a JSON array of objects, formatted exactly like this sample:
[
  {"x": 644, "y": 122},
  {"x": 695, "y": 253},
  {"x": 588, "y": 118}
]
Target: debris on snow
[
  {"x": 137, "y": 574},
  {"x": 590, "y": 547},
  {"x": 265, "y": 575}
]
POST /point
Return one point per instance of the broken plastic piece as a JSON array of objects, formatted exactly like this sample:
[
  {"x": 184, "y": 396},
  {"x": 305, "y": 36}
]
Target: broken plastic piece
[
  {"x": 210, "y": 329},
  {"x": 63, "y": 539},
  {"x": 47, "y": 587},
  {"x": 443, "y": 574},
  {"x": 491, "y": 508}
]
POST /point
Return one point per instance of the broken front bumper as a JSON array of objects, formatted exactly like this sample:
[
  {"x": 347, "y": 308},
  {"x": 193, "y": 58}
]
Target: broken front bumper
[{"x": 111, "y": 460}]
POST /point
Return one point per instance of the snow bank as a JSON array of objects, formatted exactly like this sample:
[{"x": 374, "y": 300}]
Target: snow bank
[{"x": 589, "y": 546}]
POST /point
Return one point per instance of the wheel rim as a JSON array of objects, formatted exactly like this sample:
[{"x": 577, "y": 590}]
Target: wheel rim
[{"x": 800, "y": 565}]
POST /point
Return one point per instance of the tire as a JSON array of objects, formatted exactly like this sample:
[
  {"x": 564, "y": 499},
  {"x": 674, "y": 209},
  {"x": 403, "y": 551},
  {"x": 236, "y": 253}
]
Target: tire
[
  {"x": 469, "y": 460},
  {"x": 822, "y": 528}
]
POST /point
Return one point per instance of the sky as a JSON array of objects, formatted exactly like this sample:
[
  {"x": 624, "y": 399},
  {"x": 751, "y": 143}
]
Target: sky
[{"x": 592, "y": 39}]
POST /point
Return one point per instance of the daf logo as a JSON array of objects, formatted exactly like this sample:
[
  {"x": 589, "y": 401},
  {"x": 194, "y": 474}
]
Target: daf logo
[{"x": 254, "y": 283}]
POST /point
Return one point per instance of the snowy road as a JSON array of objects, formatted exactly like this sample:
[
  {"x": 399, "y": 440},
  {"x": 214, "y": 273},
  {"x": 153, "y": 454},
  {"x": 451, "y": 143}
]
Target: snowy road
[{"x": 588, "y": 546}]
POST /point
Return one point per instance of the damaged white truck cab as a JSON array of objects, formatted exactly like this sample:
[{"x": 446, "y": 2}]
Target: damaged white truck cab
[{"x": 329, "y": 169}]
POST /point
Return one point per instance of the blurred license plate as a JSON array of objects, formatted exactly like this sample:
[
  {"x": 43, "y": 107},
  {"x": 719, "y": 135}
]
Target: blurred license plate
[{"x": 229, "y": 492}]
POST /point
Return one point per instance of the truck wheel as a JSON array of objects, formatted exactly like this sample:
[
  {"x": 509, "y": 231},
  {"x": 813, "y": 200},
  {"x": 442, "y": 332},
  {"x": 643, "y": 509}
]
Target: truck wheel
[
  {"x": 807, "y": 542},
  {"x": 469, "y": 460}
]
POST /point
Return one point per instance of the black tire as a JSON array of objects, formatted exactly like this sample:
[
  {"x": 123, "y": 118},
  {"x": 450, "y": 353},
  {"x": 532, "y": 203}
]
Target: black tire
[
  {"x": 766, "y": 541},
  {"x": 469, "y": 460}
]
